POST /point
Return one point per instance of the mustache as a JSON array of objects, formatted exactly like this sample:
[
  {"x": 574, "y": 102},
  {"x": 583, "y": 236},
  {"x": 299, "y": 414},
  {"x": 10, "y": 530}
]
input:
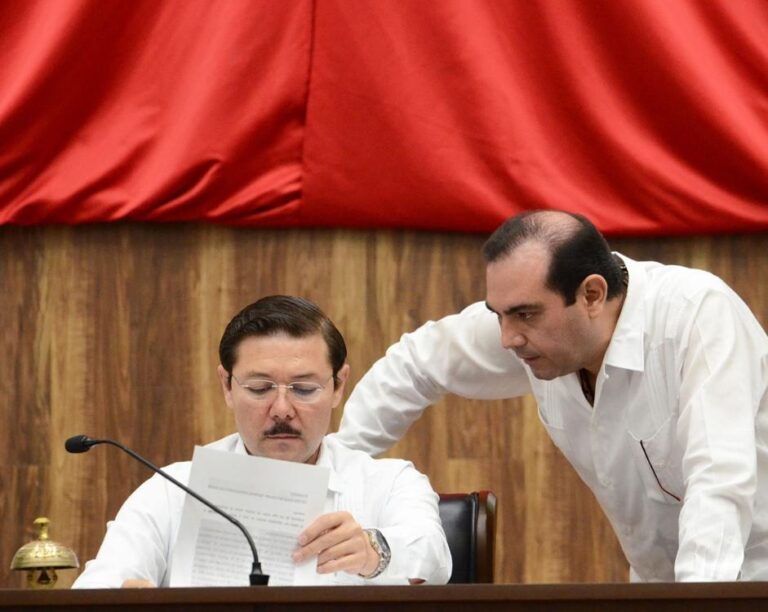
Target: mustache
[{"x": 281, "y": 428}]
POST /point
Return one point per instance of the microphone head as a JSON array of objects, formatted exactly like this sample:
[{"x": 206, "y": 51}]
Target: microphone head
[{"x": 78, "y": 444}]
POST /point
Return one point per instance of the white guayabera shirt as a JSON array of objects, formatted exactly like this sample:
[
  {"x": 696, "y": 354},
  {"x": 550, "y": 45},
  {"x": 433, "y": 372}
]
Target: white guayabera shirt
[
  {"x": 388, "y": 494},
  {"x": 675, "y": 448}
]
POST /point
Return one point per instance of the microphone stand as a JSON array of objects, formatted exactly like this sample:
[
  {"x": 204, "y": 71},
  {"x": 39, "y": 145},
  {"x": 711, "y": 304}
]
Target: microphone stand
[{"x": 82, "y": 443}]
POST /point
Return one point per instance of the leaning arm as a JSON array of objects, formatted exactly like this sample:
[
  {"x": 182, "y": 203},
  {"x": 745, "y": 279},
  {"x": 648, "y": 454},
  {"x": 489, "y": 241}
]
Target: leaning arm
[
  {"x": 720, "y": 394},
  {"x": 459, "y": 354}
]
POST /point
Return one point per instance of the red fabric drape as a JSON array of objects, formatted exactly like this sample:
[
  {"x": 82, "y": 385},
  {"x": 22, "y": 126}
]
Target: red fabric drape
[
  {"x": 649, "y": 116},
  {"x": 152, "y": 110}
]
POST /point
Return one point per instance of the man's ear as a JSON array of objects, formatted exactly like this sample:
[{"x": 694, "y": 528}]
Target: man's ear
[
  {"x": 226, "y": 385},
  {"x": 341, "y": 382},
  {"x": 594, "y": 290}
]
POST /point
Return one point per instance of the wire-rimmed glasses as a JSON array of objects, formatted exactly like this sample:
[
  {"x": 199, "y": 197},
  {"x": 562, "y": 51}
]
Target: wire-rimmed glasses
[{"x": 265, "y": 391}]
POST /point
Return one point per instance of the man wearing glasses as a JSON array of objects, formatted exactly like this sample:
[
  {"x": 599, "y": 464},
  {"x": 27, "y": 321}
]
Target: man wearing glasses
[
  {"x": 283, "y": 370},
  {"x": 651, "y": 379}
]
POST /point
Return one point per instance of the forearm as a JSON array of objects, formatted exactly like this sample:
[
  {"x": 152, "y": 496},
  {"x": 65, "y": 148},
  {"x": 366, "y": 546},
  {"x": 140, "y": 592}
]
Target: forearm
[{"x": 459, "y": 354}]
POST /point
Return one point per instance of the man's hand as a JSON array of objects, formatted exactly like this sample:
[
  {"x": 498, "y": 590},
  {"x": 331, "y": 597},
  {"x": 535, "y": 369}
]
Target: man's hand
[
  {"x": 339, "y": 544},
  {"x": 136, "y": 583}
]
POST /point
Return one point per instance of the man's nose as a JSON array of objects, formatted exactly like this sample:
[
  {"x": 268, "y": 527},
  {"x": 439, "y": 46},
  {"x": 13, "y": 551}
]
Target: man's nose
[
  {"x": 281, "y": 407},
  {"x": 511, "y": 337}
]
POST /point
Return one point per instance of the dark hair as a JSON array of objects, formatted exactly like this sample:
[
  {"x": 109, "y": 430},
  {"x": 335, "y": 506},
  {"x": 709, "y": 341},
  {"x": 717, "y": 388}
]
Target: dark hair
[
  {"x": 576, "y": 246},
  {"x": 276, "y": 314}
]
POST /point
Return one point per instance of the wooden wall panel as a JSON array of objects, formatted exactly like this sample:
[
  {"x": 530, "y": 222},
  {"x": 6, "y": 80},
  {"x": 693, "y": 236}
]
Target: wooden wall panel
[{"x": 113, "y": 331}]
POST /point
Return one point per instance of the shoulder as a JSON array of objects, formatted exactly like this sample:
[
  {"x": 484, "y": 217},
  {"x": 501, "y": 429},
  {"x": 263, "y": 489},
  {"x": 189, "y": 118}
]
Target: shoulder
[
  {"x": 227, "y": 443},
  {"x": 477, "y": 309},
  {"x": 476, "y": 314},
  {"x": 677, "y": 293},
  {"x": 473, "y": 332},
  {"x": 382, "y": 483},
  {"x": 673, "y": 281},
  {"x": 345, "y": 459},
  {"x": 180, "y": 470},
  {"x": 676, "y": 298}
]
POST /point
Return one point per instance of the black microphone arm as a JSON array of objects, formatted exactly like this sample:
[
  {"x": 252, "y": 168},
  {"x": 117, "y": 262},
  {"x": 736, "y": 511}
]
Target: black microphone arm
[{"x": 81, "y": 444}]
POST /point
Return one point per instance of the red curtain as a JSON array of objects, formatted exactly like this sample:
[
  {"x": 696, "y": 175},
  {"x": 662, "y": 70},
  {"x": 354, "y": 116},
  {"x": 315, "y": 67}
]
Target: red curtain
[{"x": 649, "y": 116}]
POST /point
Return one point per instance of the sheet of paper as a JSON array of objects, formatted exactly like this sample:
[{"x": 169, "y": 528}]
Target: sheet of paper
[{"x": 273, "y": 499}]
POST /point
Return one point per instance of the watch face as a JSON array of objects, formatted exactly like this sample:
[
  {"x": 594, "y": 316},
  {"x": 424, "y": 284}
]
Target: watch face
[
  {"x": 383, "y": 544},
  {"x": 381, "y": 547}
]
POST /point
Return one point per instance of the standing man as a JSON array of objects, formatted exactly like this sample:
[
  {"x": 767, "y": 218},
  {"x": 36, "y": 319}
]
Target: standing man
[
  {"x": 651, "y": 379},
  {"x": 283, "y": 370}
]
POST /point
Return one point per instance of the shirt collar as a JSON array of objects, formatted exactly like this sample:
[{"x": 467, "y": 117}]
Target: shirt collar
[
  {"x": 626, "y": 349},
  {"x": 240, "y": 446},
  {"x": 336, "y": 481}
]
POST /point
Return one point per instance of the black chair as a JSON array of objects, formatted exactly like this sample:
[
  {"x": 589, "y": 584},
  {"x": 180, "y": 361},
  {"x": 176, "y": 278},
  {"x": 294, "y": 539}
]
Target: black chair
[{"x": 469, "y": 522}]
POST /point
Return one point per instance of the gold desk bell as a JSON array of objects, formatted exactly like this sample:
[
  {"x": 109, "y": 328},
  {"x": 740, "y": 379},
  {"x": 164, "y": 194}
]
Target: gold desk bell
[{"x": 42, "y": 557}]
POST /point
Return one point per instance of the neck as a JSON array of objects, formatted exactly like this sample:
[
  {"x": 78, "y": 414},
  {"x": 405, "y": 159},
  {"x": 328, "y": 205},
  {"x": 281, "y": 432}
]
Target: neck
[
  {"x": 613, "y": 308},
  {"x": 588, "y": 381}
]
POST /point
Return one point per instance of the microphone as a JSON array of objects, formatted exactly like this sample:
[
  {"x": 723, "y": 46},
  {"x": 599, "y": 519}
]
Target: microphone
[{"x": 82, "y": 443}]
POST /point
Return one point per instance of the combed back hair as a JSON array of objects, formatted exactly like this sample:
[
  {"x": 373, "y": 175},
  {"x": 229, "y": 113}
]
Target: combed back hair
[
  {"x": 576, "y": 246},
  {"x": 281, "y": 314}
]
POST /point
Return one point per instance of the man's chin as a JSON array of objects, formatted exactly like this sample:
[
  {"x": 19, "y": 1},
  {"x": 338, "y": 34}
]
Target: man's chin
[
  {"x": 286, "y": 448},
  {"x": 543, "y": 373}
]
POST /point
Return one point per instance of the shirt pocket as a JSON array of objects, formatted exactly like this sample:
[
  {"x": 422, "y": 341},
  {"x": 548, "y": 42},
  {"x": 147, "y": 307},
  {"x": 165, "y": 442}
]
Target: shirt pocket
[{"x": 654, "y": 453}]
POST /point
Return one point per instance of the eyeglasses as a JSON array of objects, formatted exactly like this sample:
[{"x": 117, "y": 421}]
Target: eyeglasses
[{"x": 265, "y": 391}]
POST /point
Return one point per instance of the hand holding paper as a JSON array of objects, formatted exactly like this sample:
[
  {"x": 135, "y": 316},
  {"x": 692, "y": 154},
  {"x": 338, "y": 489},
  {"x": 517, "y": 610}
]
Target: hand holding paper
[
  {"x": 339, "y": 544},
  {"x": 274, "y": 499}
]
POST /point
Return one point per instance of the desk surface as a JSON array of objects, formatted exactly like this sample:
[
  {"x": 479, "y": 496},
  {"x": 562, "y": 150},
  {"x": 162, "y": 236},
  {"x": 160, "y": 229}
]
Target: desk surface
[{"x": 551, "y": 597}]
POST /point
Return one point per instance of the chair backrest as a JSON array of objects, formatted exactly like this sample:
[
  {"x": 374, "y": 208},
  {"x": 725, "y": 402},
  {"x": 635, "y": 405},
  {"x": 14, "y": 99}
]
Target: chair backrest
[{"x": 469, "y": 522}]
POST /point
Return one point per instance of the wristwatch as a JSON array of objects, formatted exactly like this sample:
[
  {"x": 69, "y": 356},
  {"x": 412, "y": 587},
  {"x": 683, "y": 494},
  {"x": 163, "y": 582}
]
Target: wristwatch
[{"x": 380, "y": 545}]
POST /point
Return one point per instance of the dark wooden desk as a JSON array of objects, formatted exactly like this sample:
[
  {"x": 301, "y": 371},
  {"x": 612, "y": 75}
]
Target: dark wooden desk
[{"x": 729, "y": 596}]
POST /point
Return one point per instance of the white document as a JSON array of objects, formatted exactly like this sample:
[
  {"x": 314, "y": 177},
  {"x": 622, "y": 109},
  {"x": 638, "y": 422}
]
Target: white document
[{"x": 273, "y": 499}]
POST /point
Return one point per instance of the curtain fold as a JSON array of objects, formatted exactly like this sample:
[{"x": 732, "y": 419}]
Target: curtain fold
[
  {"x": 152, "y": 110},
  {"x": 650, "y": 117}
]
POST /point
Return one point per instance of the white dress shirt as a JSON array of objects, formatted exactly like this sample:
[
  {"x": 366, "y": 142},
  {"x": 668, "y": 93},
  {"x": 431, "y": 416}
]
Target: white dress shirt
[
  {"x": 684, "y": 381},
  {"x": 388, "y": 494}
]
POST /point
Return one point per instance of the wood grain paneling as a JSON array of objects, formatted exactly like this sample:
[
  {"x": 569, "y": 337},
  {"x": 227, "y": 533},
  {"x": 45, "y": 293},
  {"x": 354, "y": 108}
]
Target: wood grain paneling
[{"x": 113, "y": 331}]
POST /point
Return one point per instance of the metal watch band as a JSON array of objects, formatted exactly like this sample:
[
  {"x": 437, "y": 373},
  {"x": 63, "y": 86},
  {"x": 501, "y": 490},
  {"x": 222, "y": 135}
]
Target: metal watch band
[{"x": 379, "y": 544}]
